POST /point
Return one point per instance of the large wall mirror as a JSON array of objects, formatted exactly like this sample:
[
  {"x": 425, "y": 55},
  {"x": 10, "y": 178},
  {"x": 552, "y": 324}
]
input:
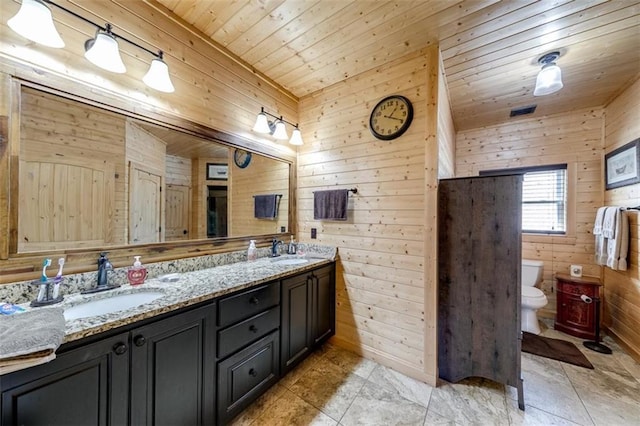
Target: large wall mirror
[{"x": 96, "y": 178}]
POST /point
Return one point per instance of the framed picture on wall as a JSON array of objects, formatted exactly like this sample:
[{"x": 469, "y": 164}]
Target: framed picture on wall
[
  {"x": 217, "y": 171},
  {"x": 621, "y": 166}
]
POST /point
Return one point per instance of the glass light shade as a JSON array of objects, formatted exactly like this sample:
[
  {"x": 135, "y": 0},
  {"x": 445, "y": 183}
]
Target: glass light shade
[
  {"x": 103, "y": 52},
  {"x": 158, "y": 77},
  {"x": 549, "y": 80},
  {"x": 35, "y": 22},
  {"x": 296, "y": 137},
  {"x": 280, "y": 132},
  {"x": 262, "y": 124}
]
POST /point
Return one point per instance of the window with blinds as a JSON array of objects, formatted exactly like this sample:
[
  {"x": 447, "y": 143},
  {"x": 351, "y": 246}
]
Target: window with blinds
[{"x": 544, "y": 197}]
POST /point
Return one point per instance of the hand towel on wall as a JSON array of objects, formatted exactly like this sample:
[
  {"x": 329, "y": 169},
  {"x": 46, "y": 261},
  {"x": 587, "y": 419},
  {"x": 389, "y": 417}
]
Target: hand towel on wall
[
  {"x": 330, "y": 205},
  {"x": 609, "y": 221},
  {"x": 618, "y": 245},
  {"x": 600, "y": 240},
  {"x": 265, "y": 206},
  {"x": 30, "y": 338}
]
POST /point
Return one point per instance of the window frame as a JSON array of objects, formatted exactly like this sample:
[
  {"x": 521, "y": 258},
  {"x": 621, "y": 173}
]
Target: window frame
[{"x": 569, "y": 201}]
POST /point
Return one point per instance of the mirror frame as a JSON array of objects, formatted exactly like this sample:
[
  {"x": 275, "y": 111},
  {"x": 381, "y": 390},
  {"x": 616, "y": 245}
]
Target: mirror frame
[{"x": 16, "y": 266}]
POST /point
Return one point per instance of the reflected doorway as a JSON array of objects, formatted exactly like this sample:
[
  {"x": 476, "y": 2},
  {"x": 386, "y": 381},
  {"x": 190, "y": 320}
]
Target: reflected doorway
[{"x": 217, "y": 211}]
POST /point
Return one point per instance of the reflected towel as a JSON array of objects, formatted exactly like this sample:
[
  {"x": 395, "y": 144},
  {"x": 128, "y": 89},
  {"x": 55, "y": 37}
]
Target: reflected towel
[
  {"x": 330, "y": 205},
  {"x": 265, "y": 206}
]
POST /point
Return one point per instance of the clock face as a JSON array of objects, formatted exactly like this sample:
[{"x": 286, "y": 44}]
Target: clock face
[
  {"x": 242, "y": 158},
  {"x": 391, "y": 117}
]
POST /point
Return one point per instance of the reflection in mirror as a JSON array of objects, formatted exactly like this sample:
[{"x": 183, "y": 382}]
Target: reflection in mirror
[{"x": 90, "y": 177}]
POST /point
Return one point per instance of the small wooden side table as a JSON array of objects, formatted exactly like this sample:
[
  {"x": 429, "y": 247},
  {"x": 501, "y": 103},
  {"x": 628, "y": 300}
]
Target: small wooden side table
[{"x": 575, "y": 316}]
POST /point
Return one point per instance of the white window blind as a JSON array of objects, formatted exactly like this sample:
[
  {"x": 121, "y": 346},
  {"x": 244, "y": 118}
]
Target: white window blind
[
  {"x": 544, "y": 197},
  {"x": 544, "y": 201}
]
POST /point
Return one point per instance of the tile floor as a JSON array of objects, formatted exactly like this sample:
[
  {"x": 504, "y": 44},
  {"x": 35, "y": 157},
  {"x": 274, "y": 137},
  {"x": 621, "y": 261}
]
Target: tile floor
[{"x": 336, "y": 387}]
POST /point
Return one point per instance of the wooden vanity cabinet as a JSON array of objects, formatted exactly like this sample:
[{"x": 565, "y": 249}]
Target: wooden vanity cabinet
[
  {"x": 308, "y": 314},
  {"x": 88, "y": 385},
  {"x": 160, "y": 373},
  {"x": 248, "y": 347}
]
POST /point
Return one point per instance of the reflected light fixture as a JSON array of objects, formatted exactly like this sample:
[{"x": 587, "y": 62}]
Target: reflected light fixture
[
  {"x": 277, "y": 127},
  {"x": 549, "y": 78},
  {"x": 35, "y": 22},
  {"x": 103, "y": 51}
]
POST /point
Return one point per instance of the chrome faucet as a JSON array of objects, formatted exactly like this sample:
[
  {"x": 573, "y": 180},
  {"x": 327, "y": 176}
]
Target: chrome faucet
[{"x": 274, "y": 247}]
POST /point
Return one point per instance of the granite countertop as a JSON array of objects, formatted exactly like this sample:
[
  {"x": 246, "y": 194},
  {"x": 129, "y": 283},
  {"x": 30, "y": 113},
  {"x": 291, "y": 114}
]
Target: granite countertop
[{"x": 189, "y": 289}]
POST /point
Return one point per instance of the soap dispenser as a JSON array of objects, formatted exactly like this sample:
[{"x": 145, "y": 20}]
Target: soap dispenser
[
  {"x": 252, "y": 251},
  {"x": 137, "y": 273}
]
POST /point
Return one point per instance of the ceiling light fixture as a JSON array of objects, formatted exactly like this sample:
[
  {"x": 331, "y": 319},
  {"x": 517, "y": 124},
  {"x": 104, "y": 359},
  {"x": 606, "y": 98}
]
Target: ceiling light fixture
[
  {"x": 277, "y": 127},
  {"x": 34, "y": 21},
  {"x": 550, "y": 76}
]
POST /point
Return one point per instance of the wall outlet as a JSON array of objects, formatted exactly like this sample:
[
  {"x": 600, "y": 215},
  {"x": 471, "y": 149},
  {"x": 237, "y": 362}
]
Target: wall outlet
[
  {"x": 575, "y": 270},
  {"x": 314, "y": 233},
  {"x": 283, "y": 229}
]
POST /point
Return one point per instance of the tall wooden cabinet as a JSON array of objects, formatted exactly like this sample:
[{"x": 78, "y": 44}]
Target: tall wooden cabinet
[{"x": 479, "y": 266}]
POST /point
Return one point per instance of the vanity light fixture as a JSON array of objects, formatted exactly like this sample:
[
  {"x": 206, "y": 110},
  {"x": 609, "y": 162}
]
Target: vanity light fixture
[
  {"x": 550, "y": 76},
  {"x": 103, "y": 51},
  {"x": 276, "y": 127},
  {"x": 34, "y": 21}
]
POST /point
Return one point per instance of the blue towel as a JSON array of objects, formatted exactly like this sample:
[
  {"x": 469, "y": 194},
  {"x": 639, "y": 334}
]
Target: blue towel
[
  {"x": 330, "y": 205},
  {"x": 265, "y": 206}
]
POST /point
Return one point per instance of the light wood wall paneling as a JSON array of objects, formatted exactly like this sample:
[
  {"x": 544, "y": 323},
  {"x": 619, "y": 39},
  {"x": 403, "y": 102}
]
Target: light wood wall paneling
[
  {"x": 574, "y": 138},
  {"x": 381, "y": 275},
  {"x": 622, "y": 288},
  {"x": 6, "y": 137}
]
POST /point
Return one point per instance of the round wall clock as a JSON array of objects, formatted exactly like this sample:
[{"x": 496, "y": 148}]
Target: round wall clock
[
  {"x": 391, "y": 117},
  {"x": 242, "y": 158}
]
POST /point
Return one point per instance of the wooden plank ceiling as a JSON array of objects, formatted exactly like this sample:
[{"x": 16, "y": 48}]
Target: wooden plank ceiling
[{"x": 490, "y": 48}]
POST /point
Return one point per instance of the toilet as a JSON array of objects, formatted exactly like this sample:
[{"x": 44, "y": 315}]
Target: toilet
[{"x": 532, "y": 298}]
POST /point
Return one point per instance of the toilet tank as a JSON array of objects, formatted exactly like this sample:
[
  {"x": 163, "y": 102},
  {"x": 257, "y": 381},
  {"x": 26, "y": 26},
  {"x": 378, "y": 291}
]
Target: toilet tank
[{"x": 531, "y": 272}]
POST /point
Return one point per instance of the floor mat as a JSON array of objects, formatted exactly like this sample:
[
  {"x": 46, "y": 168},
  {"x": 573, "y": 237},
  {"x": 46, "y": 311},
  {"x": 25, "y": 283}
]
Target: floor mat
[{"x": 555, "y": 349}]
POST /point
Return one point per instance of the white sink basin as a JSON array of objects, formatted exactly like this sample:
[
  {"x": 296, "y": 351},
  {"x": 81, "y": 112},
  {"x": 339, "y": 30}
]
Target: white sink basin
[
  {"x": 111, "y": 304},
  {"x": 291, "y": 261}
]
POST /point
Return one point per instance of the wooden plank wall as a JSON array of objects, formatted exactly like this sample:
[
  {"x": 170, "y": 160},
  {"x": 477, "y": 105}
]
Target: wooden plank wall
[
  {"x": 446, "y": 130},
  {"x": 213, "y": 89},
  {"x": 261, "y": 177},
  {"x": 380, "y": 276},
  {"x": 574, "y": 138},
  {"x": 622, "y": 288}
]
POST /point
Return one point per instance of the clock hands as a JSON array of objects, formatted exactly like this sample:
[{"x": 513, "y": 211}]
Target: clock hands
[{"x": 391, "y": 115}]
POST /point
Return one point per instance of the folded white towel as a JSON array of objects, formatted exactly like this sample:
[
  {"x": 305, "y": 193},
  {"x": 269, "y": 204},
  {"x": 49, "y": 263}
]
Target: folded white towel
[
  {"x": 24, "y": 334},
  {"x": 609, "y": 222},
  {"x": 597, "y": 224}
]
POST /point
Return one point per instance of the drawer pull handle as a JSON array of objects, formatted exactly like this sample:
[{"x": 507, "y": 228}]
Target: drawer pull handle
[
  {"x": 254, "y": 300},
  {"x": 253, "y": 328},
  {"x": 139, "y": 340},
  {"x": 253, "y": 373},
  {"x": 120, "y": 348}
]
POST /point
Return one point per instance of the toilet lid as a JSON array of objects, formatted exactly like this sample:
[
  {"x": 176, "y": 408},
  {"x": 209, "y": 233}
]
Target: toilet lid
[{"x": 532, "y": 292}]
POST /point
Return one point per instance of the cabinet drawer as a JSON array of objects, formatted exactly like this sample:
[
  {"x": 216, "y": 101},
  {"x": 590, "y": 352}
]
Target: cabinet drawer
[
  {"x": 578, "y": 289},
  {"x": 247, "y": 303},
  {"x": 245, "y": 332},
  {"x": 245, "y": 375}
]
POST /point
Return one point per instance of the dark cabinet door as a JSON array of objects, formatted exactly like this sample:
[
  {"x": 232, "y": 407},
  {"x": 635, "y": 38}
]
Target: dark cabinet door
[
  {"x": 323, "y": 304},
  {"x": 245, "y": 375},
  {"x": 85, "y": 386},
  {"x": 296, "y": 320},
  {"x": 173, "y": 370}
]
